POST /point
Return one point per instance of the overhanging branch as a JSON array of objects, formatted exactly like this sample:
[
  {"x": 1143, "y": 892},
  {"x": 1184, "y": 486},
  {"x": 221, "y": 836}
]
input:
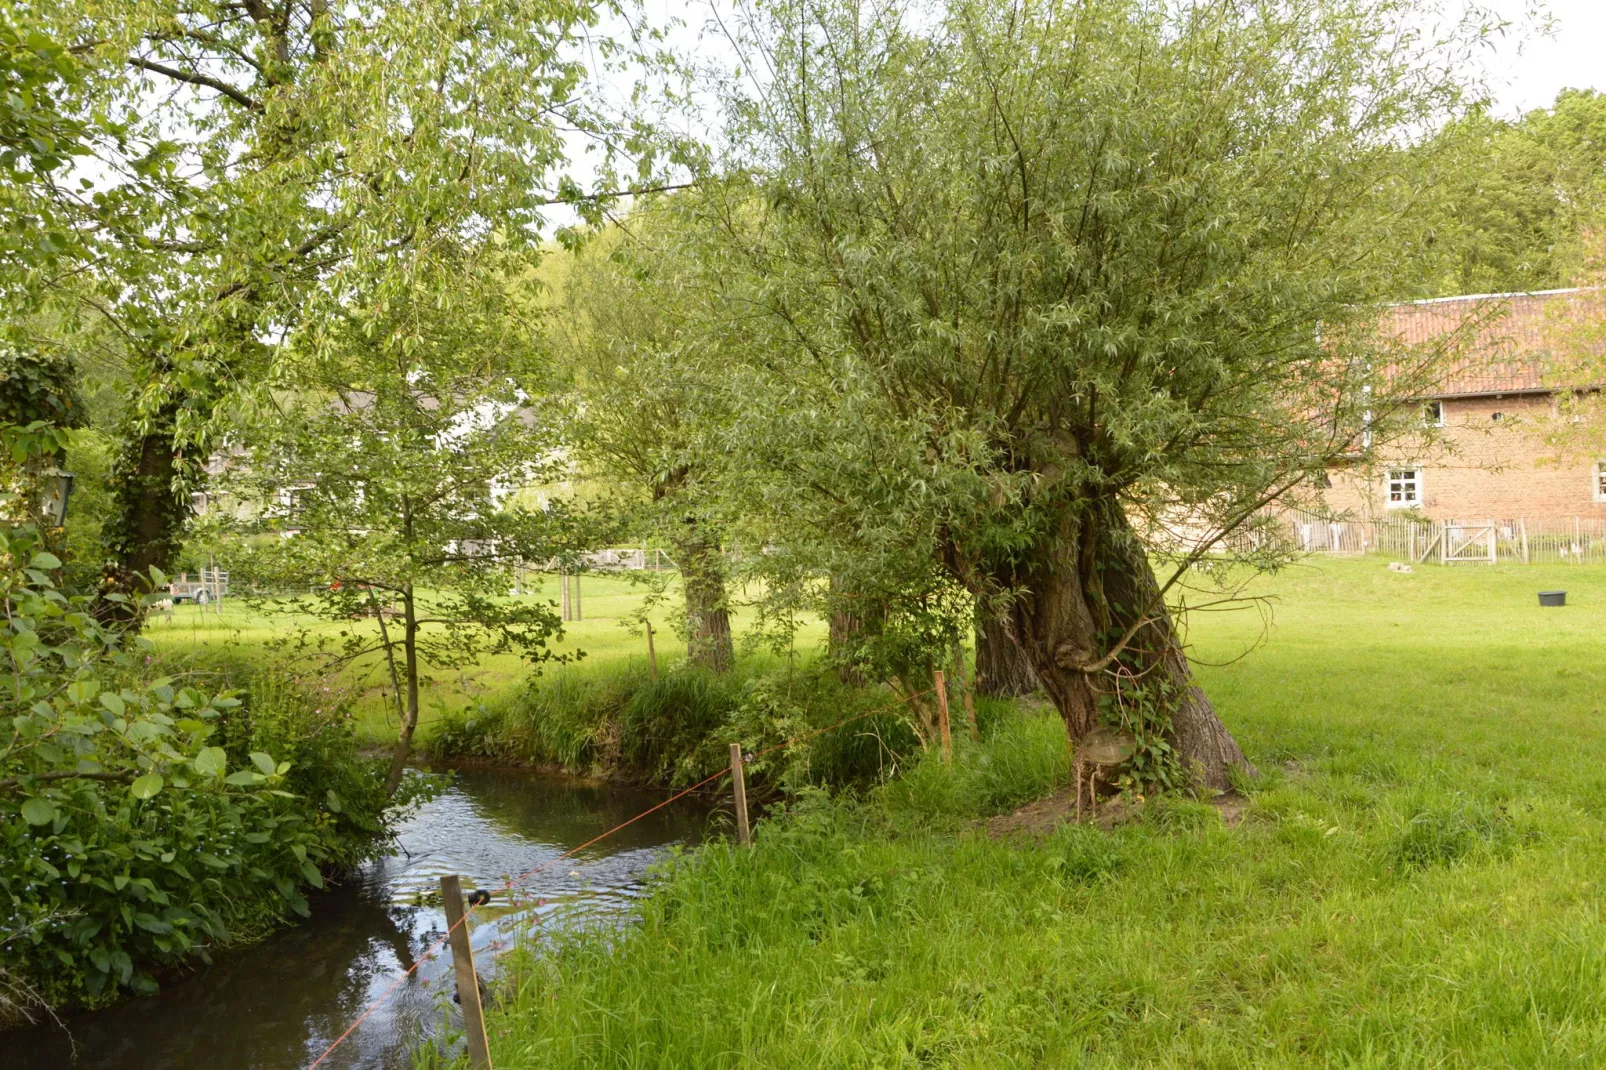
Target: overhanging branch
[{"x": 193, "y": 78}]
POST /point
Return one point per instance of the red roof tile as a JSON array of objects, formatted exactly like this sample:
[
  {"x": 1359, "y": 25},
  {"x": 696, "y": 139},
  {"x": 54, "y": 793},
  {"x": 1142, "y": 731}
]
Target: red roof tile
[{"x": 1514, "y": 351}]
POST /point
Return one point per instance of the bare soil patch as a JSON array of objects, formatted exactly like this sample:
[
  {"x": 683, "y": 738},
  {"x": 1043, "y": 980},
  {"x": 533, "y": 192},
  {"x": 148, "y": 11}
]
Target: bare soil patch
[{"x": 1042, "y": 816}]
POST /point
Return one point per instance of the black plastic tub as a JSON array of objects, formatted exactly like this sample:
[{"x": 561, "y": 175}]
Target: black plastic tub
[{"x": 1552, "y": 598}]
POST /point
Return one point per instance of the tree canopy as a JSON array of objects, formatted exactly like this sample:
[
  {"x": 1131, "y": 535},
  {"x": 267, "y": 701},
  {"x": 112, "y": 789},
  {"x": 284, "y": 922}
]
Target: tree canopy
[{"x": 1521, "y": 197}]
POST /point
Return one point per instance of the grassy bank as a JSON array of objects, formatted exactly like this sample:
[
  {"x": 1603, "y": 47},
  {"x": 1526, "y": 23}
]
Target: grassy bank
[{"x": 1416, "y": 880}]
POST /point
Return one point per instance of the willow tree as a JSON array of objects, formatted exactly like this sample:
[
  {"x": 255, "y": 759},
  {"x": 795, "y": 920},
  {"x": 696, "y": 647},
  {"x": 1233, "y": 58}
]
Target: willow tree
[
  {"x": 1038, "y": 280},
  {"x": 290, "y": 154}
]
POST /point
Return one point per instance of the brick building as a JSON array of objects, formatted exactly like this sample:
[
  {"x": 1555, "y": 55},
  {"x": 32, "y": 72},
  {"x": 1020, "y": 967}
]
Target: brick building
[{"x": 1495, "y": 450}]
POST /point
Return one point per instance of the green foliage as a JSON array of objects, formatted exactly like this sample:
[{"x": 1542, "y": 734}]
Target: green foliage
[
  {"x": 143, "y": 821},
  {"x": 1021, "y": 758},
  {"x": 39, "y": 137},
  {"x": 1141, "y": 710},
  {"x": 273, "y": 165},
  {"x": 665, "y": 722},
  {"x": 382, "y": 486},
  {"x": 1520, "y": 197},
  {"x": 677, "y": 729}
]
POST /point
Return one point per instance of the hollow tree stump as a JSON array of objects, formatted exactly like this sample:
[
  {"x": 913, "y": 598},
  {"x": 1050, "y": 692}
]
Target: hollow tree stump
[{"x": 1100, "y": 757}]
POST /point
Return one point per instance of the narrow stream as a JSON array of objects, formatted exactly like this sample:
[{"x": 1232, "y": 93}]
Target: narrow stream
[{"x": 278, "y": 1004}]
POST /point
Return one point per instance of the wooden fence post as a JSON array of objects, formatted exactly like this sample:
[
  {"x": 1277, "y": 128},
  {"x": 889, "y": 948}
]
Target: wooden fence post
[
  {"x": 1522, "y": 526},
  {"x": 468, "y": 985},
  {"x": 940, "y": 683},
  {"x": 563, "y": 595},
  {"x": 578, "y": 613},
  {"x": 744, "y": 833}
]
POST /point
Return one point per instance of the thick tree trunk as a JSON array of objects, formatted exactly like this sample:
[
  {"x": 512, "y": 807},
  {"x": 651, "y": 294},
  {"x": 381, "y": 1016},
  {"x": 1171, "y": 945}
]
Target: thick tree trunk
[
  {"x": 850, "y": 616},
  {"x": 708, "y": 622},
  {"x": 1078, "y": 596},
  {"x": 1002, "y": 667},
  {"x": 150, "y": 506}
]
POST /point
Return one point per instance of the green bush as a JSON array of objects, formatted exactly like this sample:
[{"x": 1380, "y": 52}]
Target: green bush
[
  {"x": 666, "y": 722},
  {"x": 145, "y": 819},
  {"x": 115, "y": 887},
  {"x": 1024, "y": 757}
]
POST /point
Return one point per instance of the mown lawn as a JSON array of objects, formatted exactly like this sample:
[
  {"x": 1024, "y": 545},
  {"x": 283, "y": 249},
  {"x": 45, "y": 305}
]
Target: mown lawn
[{"x": 1417, "y": 880}]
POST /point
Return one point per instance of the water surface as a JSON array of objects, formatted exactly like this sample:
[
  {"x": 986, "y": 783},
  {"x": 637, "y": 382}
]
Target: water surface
[{"x": 278, "y": 1004}]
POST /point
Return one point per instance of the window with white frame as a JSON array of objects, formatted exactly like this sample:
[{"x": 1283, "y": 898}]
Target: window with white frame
[
  {"x": 1404, "y": 488},
  {"x": 1433, "y": 414},
  {"x": 1597, "y": 481}
]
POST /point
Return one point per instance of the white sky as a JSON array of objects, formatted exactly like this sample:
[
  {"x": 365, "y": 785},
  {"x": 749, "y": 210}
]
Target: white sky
[
  {"x": 1528, "y": 74},
  {"x": 1523, "y": 67}
]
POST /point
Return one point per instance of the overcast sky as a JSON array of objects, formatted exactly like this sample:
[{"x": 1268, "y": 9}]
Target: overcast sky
[{"x": 1529, "y": 74}]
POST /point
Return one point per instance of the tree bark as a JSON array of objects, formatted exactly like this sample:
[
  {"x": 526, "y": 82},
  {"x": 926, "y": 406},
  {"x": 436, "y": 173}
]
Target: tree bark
[
  {"x": 849, "y": 616},
  {"x": 409, "y": 717},
  {"x": 150, "y": 505},
  {"x": 708, "y": 622},
  {"x": 1002, "y": 667},
  {"x": 1077, "y": 596}
]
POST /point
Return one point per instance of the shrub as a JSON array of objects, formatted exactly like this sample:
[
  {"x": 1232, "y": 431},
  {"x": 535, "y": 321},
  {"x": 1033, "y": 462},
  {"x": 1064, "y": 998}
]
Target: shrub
[
  {"x": 144, "y": 820},
  {"x": 1023, "y": 758},
  {"x": 677, "y": 729}
]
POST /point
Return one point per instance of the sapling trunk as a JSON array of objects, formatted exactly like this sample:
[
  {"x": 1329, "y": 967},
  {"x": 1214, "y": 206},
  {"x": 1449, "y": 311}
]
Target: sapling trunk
[{"x": 409, "y": 714}]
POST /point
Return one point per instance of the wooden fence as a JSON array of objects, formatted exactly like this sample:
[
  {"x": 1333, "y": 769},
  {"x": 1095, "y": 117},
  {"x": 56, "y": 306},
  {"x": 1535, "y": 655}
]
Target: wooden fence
[{"x": 1522, "y": 541}]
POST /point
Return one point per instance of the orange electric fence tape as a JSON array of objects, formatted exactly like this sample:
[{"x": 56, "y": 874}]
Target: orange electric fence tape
[{"x": 571, "y": 852}]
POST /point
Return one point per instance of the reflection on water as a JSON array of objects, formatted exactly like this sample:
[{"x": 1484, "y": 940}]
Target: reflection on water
[{"x": 278, "y": 1004}]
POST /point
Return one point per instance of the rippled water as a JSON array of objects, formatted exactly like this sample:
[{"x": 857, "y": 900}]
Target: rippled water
[{"x": 278, "y": 1004}]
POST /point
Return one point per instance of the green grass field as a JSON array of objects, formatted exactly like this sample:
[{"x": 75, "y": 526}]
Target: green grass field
[
  {"x": 602, "y": 637},
  {"x": 1417, "y": 880}
]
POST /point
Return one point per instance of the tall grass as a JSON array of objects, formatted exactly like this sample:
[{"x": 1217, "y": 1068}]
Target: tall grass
[{"x": 676, "y": 729}]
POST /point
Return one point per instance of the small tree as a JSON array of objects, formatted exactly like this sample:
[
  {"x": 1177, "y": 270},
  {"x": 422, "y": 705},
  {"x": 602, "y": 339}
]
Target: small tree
[{"x": 383, "y": 483}]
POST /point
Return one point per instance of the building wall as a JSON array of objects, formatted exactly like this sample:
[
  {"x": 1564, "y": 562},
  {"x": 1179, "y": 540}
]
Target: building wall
[{"x": 1481, "y": 468}]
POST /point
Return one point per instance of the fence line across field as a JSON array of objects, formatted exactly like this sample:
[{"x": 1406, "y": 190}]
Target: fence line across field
[{"x": 1477, "y": 540}]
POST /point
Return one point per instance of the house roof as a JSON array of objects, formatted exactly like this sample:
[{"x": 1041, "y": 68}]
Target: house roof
[{"x": 1513, "y": 350}]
